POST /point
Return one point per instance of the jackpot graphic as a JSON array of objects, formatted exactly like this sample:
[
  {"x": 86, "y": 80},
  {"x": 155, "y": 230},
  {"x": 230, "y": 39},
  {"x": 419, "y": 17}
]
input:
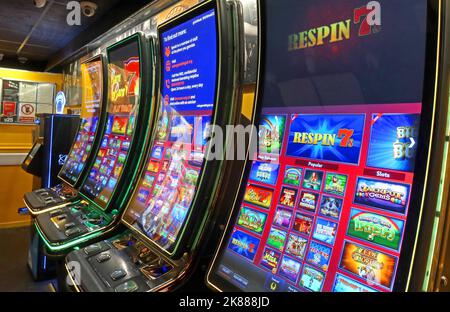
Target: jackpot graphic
[
  {"x": 345, "y": 284},
  {"x": 393, "y": 141},
  {"x": 252, "y": 220},
  {"x": 335, "y": 138},
  {"x": 258, "y": 196},
  {"x": 270, "y": 135},
  {"x": 244, "y": 244},
  {"x": 292, "y": 176},
  {"x": 312, "y": 279},
  {"x": 264, "y": 172},
  {"x": 375, "y": 228},
  {"x": 372, "y": 266},
  {"x": 383, "y": 195}
]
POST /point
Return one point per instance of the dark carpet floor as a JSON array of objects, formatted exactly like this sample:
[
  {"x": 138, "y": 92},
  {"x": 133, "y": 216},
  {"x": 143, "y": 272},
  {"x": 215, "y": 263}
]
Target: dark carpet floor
[{"x": 14, "y": 272}]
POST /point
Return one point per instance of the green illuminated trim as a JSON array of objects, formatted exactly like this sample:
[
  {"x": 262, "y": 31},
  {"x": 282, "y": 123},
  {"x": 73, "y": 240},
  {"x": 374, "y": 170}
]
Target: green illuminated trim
[{"x": 65, "y": 245}]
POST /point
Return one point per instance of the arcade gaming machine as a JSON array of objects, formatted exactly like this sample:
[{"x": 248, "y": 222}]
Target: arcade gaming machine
[
  {"x": 332, "y": 200},
  {"x": 86, "y": 140},
  {"x": 170, "y": 208},
  {"x": 110, "y": 179}
]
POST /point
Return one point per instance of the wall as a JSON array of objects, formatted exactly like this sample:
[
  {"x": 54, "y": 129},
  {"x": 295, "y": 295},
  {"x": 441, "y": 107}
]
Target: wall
[{"x": 15, "y": 142}]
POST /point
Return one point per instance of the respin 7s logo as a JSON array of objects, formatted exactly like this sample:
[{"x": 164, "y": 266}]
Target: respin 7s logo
[{"x": 369, "y": 18}]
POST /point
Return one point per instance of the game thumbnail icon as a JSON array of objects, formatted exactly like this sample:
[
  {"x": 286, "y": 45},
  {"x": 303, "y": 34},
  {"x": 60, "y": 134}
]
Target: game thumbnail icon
[
  {"x": 303, "y": 223},
  {"x": 259, "y": 196},
  {"x": 335, "y": 184},
  {"x": 373, "y": 266},
  {"x": 264, "y": 172},
  {"x": 270, "y": 259},
  {"x": 330, "y": 207},
  {"x": 312, "y": 180},
  {"x": 283, "y": 217},
  {"x": 319, "y": 255},
  {"x": 243, "y": 244},
  {"x": 288, "y": 197},
  {"x": 393, "y": 141},
  {"x": 308, "y": 201},
  {"x": 270, "y": 134},
  {"x": 384, "y": 195},
  {"x": 375, "y": 228},
  {"x": 289, "y": 269},
  {"x": 276, "y": 238},
  {"x": 252, "y": 220},
  {"x": 296, "y": 246},
  {"x": 345, "y": 284},
  {"x": 292, "y": 176},
  {"x": 325, "y": 231},
  {"x": 312, "y": 279}
]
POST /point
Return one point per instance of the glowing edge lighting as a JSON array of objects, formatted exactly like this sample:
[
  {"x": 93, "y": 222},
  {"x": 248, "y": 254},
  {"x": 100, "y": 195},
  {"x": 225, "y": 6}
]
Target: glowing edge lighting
[{"x": 50, "y": 151}]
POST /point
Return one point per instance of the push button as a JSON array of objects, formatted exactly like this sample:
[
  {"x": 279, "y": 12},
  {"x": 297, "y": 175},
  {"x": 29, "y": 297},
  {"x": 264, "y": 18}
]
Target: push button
[
  {"x": 103, "y": 257},
  {"x": 61, "y": 217},
  {"x": 118, "y": 274},
  {"x": 72, "y": 231},
  {"x": 69, "y": 225},
  {"x": 56, "y": 213},
  {"x": 129, "y": 286},
  {"x": 92, "y": 249}
]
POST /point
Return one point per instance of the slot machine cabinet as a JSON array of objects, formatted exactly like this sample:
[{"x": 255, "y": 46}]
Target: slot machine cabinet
[{"x": 333, "y": 199}]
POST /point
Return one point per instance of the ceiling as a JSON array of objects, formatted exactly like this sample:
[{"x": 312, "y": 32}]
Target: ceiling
[{"x": 39, "y": 33}]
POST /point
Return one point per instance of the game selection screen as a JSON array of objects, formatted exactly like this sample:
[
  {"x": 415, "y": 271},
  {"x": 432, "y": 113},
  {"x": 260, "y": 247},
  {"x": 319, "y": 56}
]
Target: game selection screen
[
  {"x": 162, "y": 201},
  {"x": 92, "y": 88},
  {"x": 327, "y": 199},
  {"x": 122, "y": 110}
]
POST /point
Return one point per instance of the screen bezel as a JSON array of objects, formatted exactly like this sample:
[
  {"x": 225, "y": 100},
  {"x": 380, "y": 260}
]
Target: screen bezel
[
  {"x": 217, "y": 282},
  {"x": 183, "y": 17},
  {"x": 137, "y": 37},
  {"x": 101, "y": 118}
]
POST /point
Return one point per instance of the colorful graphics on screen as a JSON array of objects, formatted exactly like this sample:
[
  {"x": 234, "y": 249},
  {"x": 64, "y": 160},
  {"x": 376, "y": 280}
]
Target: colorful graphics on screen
[
  {"x": 313, "y": 180},
  {"x": 296, "y": 246},
  {"x": 330, "y": 207},
  {"x": 283, "y": 217},
  {"x": 264, "y": 172},
  {"x": 312, "y": 279},
  {"x": 308, "y": 201},
  {"x": 319, "y": 255},
  {"x": 303, "y": 224},
  {"x": 292, "y": 176},
  {"x": 335, "y": 138},
  {"x": 325, "y": 231},
  {"x": 276, "y": 238},
  {"x": 270, "y": 259},
  {"x": 370, "y": 265},
  {"x": 289, "y": 268},
  {"x": 288, "y": 197},
  {"x": 345, "y": 284},
  {"x": 259, "y": 196},
  {"x": 182, "y": 129},
  {"x": 393, "y": 141},
  {"x": 270, "y": 134},
  {"x": 335, "y": 184},
  {"x": 375, "y": 228},
  {"x": 244, "y": 244},
  {"x": 252, "y": 220},
  {"x": 384, "y": 195}
]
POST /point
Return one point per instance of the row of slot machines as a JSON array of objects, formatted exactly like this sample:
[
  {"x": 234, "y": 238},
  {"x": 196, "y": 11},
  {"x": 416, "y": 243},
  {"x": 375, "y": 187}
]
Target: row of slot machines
[{"x": 331, "y": 189}]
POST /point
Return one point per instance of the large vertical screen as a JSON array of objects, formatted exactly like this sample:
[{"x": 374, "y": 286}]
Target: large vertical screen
[
  {"x": 122, "y": 111},
  {"x": 92, "y": 92},
  {"x": 327, "y": 200},
  {"x": 163, "y": 198}
]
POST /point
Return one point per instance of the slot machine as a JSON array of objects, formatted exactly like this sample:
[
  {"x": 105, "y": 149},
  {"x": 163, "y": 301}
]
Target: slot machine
[
  {"x": 332, "y": 201},
  {"x": 169, "y": 213},
  {"x": 129, "y": 111},
  {"x": 85, "y": 141}
]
